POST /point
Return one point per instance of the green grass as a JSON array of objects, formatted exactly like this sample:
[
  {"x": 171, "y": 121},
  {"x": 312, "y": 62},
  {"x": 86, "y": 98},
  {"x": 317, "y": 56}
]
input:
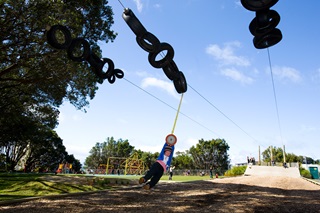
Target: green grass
[{"x": 17, "y": 186}]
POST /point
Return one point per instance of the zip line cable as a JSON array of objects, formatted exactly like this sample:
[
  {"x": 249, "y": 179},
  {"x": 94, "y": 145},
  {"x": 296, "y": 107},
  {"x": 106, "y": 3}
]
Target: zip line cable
[
  {"x": 121, "y": 4},
  {"x": 275, "y": 96},
  {"x": 171, "y": 107},
  {"x": 178, "y": 110},
  {"x": 221, "y": 112}
]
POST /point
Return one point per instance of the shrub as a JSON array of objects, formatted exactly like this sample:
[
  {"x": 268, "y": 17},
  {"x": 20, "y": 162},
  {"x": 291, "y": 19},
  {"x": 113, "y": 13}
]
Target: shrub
[
  {"x": 235, "y": 171},
  {"x": 305, "y": 173}
]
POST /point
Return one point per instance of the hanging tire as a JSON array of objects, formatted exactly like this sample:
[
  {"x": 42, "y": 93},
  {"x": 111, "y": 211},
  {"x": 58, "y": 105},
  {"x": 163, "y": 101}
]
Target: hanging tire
[
  {"x": 256, "y": 5},
  {"x": 267, "y": 40},
  {"x": 54, "y": 41},
  {"x": 118, "y": 73},
  {"x": 165, "y": 60},
  {"x": 96, "y": 63},
  {"x": 180, "y": 84},
  {"x": 110, "y": 70},
  {"x": 112, "y": 79},
  {"x": 79, "y": 45},
  {"x": 133, "y": 22},
  {"x": 148, "y": 42},
  {"x": 264, "y": 22},
  {"x": 171, "y": 71}
]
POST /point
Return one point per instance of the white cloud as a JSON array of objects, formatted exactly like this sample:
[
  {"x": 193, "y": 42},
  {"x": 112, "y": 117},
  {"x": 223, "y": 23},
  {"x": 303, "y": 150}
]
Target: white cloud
[
  {"x": 236, "y": 75},
  {"x": 164, "y": 85},
  {"x": 286, "y": 73},
  {"x": 139, "y": 5},
  {"x": 226, "y": 56}
]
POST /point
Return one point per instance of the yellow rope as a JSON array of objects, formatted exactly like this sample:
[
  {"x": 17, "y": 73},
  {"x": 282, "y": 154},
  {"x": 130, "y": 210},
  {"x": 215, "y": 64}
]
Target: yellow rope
[{"x": 178, "y": 111}]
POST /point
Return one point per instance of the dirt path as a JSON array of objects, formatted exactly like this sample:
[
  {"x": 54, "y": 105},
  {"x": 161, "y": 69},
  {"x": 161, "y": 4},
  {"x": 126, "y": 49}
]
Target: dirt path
[{"x": 241, "y": 194}]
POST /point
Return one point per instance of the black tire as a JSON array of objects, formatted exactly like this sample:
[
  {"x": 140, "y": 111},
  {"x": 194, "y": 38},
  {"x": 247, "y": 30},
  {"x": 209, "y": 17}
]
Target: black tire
[
  {"x": 148, "y": 42},
  {"x": 180, "y": 84},
  {"x": 165, "y": 60},
  {"x": 133, "y": 22},
  {"x": 256, "y": 5},
  {"x": 76, "y": 45},
  {"x": 112, "y": 79},
  {"x": 96, "y": 63},
  {"x": 110, "y": 70},
  {"x": 264, "y": 22},
  {"x": 171, "y": 71},
  {"x": 54, "y": 42},
  {"x": 118, "y": 73},
  {"x": 267, "y": 40}
]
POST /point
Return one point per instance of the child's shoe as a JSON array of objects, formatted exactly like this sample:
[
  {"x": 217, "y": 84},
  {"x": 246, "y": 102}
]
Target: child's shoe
[
  {"x": 146, "y": 187},
  {"x": 142, "y": 180}
]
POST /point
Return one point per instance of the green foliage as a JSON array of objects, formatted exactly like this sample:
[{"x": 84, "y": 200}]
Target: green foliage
[
  {"x": 213, "y": 153},
  {"x": 183, "y": 160},
  {"x": 278, "y": 156},
  {"x": 100, "y": 153},
  {"x": 235, "y": 171},
  {"x": 305, "y": 173},
  {"x": 35, "y": 78}
]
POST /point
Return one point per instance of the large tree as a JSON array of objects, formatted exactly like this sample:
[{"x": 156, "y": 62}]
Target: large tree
[
  {"x": 34, "y": 77},
  {"x": 100, "y": 153},
  {"x": 183, "y": 160},
  {"x": 36, "y": 69},
  {"x": 277, "y": 155},
  {"x": 212, "y": 153}
]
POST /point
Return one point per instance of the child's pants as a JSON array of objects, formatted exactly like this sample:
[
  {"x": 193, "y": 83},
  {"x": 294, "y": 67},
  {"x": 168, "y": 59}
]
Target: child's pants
[{"x": 155, "y": 173}]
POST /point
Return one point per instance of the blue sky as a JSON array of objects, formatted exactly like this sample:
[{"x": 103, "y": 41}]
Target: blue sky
[{"x": 213, "y": 48}]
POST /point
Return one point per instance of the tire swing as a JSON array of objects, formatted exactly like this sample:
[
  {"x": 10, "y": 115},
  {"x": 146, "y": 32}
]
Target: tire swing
[
  {"x": 255, "y": 5},
  {"x": 151, "y": 44},
  {"x": 165, "y": 60},
  {"x": 263, "y": 26},
  {"x": 79, "y": 45},
  {"x": 78, "y": 49},
  {"x": 54, "y": 39},
  {"x": 264, "y": 22},
  {"x": 267, "y": 40}
]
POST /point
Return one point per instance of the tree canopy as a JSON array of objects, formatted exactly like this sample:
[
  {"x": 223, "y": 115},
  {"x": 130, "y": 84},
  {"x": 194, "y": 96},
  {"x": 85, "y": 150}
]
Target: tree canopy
[
  {"x": 212, "y": 153},
  {"x": 100, "y": 153},
  {"x": 277, "y": 155},
  {"x": 35, "y": 78}
]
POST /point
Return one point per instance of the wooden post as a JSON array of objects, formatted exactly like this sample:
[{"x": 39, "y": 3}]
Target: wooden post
[
  {"x": 259, "y": 159},
  {"x": 284, "y": 155},
  {"x": 271, "y": 155}
]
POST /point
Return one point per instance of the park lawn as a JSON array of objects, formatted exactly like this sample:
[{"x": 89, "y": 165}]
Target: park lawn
[{"x": 17, "y": 186}]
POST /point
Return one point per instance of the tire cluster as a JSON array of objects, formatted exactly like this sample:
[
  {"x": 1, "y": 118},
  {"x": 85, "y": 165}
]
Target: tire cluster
[
  {"x": 73, "y": 46},
  {"x": 151, "y": 44},
  {"x": 263, "y": 26}
]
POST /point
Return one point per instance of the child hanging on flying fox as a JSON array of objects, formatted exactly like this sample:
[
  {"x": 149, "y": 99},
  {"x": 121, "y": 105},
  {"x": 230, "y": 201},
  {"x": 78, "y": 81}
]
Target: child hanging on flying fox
[{"x": 158, "y": 168}]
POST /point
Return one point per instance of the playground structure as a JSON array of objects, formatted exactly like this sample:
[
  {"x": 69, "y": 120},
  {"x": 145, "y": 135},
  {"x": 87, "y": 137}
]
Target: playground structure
[
  {"x": 64, "y": 168},
  {"x": 124, "y": 166},
  {"x": 127, "y": 166}
]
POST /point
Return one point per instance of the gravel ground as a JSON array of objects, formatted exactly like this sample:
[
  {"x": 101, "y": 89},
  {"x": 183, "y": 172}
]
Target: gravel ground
[{"x": 239, "y": 194}]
